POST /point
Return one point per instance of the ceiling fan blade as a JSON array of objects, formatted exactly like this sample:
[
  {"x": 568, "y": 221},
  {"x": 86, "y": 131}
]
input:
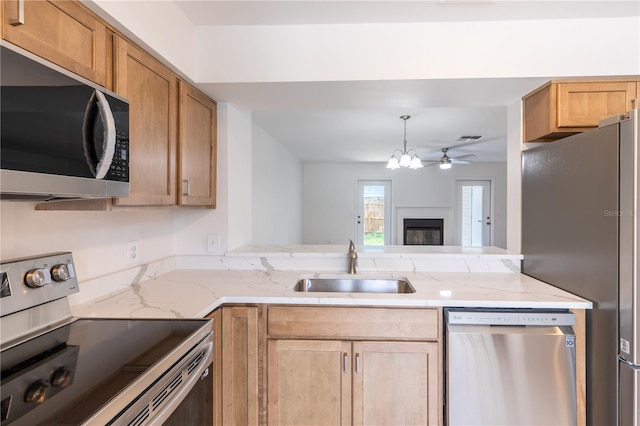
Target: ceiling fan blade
[
  {"x": 462, "y": 156},
  {"x": 454, "y": 161},
  {"x": 431, "y": 164}
]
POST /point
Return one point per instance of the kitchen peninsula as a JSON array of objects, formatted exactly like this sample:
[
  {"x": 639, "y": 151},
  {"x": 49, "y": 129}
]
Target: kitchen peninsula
[
  {"x": 193, "y": 286},
  {"x": 267, "y": 334}
]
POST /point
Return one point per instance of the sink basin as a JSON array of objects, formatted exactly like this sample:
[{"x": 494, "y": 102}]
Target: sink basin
[{"x": 354, "y": 285}]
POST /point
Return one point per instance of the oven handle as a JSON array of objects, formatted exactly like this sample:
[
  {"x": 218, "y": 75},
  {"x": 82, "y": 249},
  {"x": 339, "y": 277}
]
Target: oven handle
[{"x": 163, "y": 414}]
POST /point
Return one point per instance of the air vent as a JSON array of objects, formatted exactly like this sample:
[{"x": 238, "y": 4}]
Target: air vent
[
  {"x": 468, "y": 138},
  {"x": 164, "y": 393},
  {"x": 195, "y": 362},
  {"x": 140, "y": 417}
]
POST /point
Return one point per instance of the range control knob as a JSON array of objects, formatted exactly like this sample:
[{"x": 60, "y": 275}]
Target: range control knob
[
  {"x": 61, "y": 377},
  {"x": 37, "y": 392},
  {"x": 60, "y": 272},
  {"x": 36, "y": 278}
]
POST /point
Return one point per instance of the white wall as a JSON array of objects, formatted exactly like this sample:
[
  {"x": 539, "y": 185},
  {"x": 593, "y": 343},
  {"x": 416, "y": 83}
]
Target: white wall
[
  {"x": 159, "y": 26},
  {"x": 97, "y": 239},
  {"x": 329, "y": 197},
  {"x": 431, "y": 50},
  {"x": 514, "y": 175},
  {"x": 277, "y": 192},
  {"x": 235, "y": 126}
]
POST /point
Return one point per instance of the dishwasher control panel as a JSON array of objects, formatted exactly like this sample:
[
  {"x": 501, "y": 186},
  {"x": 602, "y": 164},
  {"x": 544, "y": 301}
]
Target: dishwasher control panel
[{"x": 470, "y": 317}]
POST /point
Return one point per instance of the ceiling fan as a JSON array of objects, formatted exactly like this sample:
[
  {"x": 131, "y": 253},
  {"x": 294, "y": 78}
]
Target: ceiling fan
[{"x": 445, "y": 161}]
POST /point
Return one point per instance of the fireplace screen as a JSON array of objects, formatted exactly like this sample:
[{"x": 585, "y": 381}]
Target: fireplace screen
[{"x": 423, "y": 232}]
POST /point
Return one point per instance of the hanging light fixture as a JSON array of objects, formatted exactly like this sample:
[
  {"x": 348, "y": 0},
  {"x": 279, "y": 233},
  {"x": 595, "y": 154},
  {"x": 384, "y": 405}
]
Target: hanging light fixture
[{"x": 406, "y": 158}]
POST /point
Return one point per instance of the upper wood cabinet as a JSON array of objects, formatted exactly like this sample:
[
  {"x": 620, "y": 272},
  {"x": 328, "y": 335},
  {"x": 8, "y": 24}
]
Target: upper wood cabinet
[
  {"x": 151, "y": 89},
  {"x": 63, "y": 32},
  {"x": 560, "y": 109},
  {"x": 196, "y": 148}
]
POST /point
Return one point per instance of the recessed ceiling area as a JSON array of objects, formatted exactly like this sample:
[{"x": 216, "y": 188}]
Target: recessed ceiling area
[{"x": 360, "y": 121}]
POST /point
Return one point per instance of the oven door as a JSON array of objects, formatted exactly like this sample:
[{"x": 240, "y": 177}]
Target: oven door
[{"x": 197, "y": 406}]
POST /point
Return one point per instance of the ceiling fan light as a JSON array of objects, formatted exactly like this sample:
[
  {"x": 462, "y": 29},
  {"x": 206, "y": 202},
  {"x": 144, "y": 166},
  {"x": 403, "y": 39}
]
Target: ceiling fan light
[
  {"x": 416, "y": 163},
  {"x": 405, "y": 160},
  {"x": 445, "y": 165},
  {"x": 393, "y": 163}
]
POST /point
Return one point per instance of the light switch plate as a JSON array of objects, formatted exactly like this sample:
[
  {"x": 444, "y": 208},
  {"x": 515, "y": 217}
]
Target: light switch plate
[{"x": 213, "y": 243}]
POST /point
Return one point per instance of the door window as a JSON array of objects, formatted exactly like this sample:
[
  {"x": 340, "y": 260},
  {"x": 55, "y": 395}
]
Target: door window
[
  {"x": 473, "y": 205},
  {"x": 373, "y": 216}
]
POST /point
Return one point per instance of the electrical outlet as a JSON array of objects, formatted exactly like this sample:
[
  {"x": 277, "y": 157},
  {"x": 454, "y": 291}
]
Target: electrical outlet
[
  {"x": 213, "y": 243},
  {"x": 133, "y": 254}
]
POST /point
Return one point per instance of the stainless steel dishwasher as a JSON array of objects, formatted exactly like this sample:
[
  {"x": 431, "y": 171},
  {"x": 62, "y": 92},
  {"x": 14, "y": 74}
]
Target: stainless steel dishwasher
[{"x": 510, "y": 367}]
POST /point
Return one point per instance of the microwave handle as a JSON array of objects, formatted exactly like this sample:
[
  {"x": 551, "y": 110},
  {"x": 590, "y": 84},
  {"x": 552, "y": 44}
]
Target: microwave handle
[{"x": 99, "y": 166}]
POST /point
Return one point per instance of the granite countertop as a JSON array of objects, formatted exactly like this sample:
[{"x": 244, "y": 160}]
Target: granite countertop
[{"x": 193, "y": 293}]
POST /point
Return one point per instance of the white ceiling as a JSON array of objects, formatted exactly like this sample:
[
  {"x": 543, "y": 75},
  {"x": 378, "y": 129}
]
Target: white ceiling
[{"x": 359, "y": 121}]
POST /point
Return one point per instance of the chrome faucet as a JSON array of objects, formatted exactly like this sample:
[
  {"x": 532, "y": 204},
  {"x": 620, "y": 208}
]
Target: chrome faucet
[{"x": 353, "y": 258}]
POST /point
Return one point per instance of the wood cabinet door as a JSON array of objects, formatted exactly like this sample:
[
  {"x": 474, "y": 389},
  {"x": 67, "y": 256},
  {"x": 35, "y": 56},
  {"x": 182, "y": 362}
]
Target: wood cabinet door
[
  {"x": 151, "y": 89},
  {"x": 309, "y": 382},
  {"x": 240, "y": 365},
  {"x": 63, "y": 32},
  {"x": 585, "y": 104},
  {"x": 396, "y": 383},
  {"x": 196, "y": 148}
]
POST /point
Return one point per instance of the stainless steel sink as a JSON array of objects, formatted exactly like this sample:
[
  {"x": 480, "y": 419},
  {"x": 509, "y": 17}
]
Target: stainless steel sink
[{"x": 354, "y": 285}]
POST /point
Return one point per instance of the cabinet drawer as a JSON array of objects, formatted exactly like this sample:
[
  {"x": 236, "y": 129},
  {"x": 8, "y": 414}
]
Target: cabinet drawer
[{"x": 352, "y": 323}]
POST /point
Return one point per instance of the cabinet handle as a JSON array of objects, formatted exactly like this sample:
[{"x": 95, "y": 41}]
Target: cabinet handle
[
  {"x": 186, "y": 187},
  {"x": 345, "y": 362},
  {"x": 20, "y": 20},
  {"x": 357, "y": 363}
]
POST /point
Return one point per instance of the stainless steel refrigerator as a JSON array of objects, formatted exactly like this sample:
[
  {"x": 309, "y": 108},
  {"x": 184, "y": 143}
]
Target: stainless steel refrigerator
[{"x": 580, "y": 230}]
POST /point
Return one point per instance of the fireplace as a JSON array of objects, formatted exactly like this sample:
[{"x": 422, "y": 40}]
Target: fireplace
[{"x": 423, "y": 232}]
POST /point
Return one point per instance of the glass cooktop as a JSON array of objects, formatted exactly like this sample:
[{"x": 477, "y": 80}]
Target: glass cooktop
[{"x": 67, "y": 374}]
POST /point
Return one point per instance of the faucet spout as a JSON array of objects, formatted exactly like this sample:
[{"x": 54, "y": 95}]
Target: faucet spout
[{"x": 353, "y": 258}]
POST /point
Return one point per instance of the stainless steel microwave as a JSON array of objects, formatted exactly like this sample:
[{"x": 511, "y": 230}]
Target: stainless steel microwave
[{"x": 61, "y": 136}]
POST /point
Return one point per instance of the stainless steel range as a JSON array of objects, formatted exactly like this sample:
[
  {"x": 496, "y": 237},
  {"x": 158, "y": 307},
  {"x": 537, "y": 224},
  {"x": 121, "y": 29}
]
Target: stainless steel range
[{"x": 57, "y": 369}]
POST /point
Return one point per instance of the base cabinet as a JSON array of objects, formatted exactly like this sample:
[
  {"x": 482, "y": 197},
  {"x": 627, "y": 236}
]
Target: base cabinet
[
  {"x": 395, "y": 383},
  {"x": 236, "y": 369},
  {"x": 359, "y": 383},
  {"x": 353, "y": 366},
  {"x": 304, "y": 365},
  {"x": 309, "y": 382}
]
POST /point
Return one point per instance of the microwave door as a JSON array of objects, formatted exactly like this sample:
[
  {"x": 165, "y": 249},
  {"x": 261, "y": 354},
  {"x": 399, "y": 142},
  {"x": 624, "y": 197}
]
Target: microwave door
[{"x": 99, "y": 147}]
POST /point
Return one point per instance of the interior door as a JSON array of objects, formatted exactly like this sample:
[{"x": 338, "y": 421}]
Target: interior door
[
  {"x": 473, "y": 213},
  {"x": 373, "y": 213}
]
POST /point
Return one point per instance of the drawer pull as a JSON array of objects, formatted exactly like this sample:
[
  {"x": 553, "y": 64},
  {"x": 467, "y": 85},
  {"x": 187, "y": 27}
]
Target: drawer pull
[
  {"x": 186, "y": 187},
  {"x": 357, "y": 363},
  {"x": 20, "y": 20},
  {"x": 345, "y": 362}
]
